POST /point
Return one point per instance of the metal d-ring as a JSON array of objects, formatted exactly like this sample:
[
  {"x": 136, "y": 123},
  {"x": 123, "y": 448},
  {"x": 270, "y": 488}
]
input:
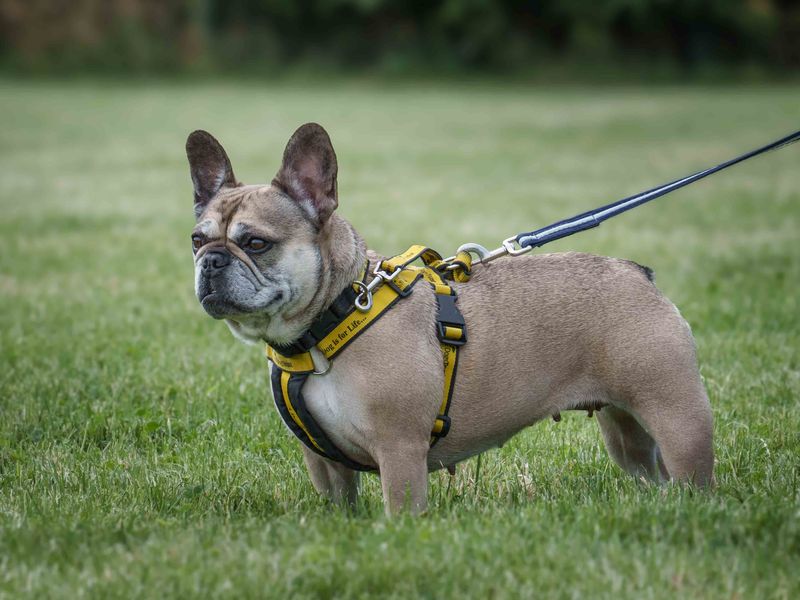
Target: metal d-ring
[{"x": 326, "y": 365}]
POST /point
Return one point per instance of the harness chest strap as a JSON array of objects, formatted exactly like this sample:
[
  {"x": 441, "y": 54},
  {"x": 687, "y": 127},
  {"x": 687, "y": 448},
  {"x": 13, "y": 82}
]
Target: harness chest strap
[{"x": 340, "y": 325}]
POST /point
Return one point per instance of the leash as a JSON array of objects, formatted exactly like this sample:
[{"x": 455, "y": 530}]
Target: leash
[{"x": 527, "y": 241}]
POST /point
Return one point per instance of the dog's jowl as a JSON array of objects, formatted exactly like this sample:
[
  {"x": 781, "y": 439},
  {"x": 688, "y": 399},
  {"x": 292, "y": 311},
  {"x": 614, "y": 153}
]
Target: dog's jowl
[{"x": 546, "y": 333}]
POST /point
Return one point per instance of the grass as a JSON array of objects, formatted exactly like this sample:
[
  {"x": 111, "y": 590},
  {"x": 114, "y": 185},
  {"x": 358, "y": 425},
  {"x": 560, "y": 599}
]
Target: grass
[{"x": 140, "y": 455}]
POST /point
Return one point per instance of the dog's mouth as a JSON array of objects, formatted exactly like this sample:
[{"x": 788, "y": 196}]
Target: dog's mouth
[{"x": 218, "y": 306}]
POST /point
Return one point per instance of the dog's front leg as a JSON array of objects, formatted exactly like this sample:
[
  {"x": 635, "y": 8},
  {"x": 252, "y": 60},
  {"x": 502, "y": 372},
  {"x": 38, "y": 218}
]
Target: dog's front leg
[
  {"x": 404, "y": 478},
  {"x": 331, "y": 479}
]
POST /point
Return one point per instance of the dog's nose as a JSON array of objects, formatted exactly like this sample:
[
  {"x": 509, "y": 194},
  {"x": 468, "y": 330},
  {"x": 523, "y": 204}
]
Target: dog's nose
[{"x": 215, "y": 261}]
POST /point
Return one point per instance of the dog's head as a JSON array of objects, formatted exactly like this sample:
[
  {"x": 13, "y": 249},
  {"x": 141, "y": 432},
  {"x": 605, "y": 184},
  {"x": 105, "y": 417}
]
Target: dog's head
[{"x": 256, "y": 247}]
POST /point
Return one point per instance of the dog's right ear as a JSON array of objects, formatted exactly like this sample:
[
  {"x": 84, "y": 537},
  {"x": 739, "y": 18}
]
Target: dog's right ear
[
  {"x": 308, "y": 172},
  {"x": 209, "y": 166}
]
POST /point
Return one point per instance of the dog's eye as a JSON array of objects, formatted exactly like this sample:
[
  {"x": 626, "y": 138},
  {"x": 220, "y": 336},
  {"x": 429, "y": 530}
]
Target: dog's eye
[
  {"x": 197, "y": 243},
  {"x": 258, "y": 245}
]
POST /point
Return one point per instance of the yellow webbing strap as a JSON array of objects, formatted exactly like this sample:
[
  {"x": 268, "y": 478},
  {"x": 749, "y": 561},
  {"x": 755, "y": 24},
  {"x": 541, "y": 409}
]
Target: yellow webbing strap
[
  {"x": 347, "y": 330},
  {"x": 390, "y": 265},
  {"x": 357, "y": 321},
  {"x": 464, "y": 270},
  {"x": 285, "y": 376},
  {"x": 459, "y": 268},
  {"x": 299, "y": 363},
  {"x": 450, "y": 338},
  {"x": 450, "y": 356}
]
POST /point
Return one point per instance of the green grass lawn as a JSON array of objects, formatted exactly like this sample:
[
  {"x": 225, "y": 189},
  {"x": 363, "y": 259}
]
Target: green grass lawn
[{"x": 140, "y": 454}]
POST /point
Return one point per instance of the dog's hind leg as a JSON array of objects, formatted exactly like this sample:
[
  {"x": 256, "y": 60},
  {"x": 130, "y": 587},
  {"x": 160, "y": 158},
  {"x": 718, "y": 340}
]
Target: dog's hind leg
[
  {"x": 653, "y": 375},
  {"x": 682, "y": 425},
  {"x": 331, "y": 479},
  {"x": 627, "y": 442}
]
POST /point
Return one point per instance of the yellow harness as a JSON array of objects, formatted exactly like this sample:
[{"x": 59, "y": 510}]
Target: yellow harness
[{"x": 343, "y": 322}]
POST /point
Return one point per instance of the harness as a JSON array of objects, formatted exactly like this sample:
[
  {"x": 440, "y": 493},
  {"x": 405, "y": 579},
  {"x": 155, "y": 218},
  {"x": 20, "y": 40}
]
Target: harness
[{"x": 353, "y": 311}]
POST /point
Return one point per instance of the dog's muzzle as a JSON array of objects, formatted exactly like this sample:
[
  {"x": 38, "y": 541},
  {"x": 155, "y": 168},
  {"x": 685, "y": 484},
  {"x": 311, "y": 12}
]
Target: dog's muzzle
[{"x": 212, "y": 284}]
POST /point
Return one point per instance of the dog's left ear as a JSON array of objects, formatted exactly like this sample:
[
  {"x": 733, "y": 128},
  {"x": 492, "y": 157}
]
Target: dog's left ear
[
  {"x": 308, "y": 173},
  {"x": 209, "y": 166}
]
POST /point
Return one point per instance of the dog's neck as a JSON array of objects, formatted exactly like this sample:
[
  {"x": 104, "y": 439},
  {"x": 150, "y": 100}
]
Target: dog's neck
[{"x": 342, "y": 256}]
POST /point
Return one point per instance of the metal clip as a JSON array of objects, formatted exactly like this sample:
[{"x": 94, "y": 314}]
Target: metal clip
[
  {"x": 363, "y": 301},
  {"x": 483, "y": 255},
  {"x": 513, "y": 248},
  {"x": 480, "y": 251},
  {"x": 367, "y": 293}
]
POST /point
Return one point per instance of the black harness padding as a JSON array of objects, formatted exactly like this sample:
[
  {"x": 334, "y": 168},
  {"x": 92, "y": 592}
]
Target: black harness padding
[{"x": 340, "y": 308}]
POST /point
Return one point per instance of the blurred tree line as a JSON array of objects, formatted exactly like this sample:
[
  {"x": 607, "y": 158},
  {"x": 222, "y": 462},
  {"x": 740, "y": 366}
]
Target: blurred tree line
[{"x": 395, "y": 36}]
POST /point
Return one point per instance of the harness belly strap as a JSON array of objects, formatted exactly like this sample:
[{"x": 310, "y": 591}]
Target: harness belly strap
[
  {"x": 340, "y": 324},
  {"x": 287, "y": 390}
]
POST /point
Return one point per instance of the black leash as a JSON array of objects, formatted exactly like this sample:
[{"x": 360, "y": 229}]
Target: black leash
[{"x": 593, "y": 218}]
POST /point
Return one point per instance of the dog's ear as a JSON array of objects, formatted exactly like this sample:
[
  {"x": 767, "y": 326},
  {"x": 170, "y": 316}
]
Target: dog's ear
[
  {"x": 209, "y": 166},
  {"x": 308, "y": 172}
]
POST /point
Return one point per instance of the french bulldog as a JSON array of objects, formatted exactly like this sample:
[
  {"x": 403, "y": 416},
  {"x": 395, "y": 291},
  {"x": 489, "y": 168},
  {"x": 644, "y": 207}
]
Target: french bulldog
[{"x": 547, "y": 333}]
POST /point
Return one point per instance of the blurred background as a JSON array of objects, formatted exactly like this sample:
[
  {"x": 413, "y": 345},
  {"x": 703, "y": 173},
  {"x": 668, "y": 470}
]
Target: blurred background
[{"x": 564, "y": 38}]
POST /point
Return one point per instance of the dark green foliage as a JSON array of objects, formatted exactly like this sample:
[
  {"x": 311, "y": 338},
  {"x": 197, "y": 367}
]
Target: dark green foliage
[{"x": 408, "y": 36}]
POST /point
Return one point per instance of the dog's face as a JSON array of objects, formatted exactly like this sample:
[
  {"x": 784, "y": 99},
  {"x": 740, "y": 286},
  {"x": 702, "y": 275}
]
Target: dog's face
[{"x": 256, "y": 251}]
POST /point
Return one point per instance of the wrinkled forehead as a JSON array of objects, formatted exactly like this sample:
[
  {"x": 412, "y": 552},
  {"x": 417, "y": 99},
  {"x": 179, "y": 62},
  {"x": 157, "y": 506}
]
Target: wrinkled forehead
[{"x": 265, "y": 209}]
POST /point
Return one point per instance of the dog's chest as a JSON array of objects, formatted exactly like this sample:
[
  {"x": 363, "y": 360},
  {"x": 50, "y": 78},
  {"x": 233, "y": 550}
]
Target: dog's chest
[{"x": 335, "y": 404}]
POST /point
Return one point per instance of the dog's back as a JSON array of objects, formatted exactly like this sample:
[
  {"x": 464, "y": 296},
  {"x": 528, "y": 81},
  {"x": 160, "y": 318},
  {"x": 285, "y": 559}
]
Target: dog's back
[{"x": 557, "y": 331}]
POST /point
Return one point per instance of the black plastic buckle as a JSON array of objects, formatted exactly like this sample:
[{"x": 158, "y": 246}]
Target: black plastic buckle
[
  {"x": 449, "y": 316},
  {"x": 445, "y": 426}
]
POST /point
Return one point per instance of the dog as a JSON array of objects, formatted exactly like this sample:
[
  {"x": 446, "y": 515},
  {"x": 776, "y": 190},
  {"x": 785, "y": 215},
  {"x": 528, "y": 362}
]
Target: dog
[{"x": 547, "y": 333}]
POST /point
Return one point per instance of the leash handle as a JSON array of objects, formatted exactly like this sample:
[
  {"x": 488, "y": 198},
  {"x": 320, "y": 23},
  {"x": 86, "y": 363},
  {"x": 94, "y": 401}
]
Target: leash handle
[{"x": 593, "y": 218}]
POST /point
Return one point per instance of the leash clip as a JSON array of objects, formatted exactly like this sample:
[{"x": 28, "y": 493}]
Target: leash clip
[
  {"x": 363, "y": 301},
  {"x": 510, "y": 247},
  {"x": 513, "y": 247}
]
